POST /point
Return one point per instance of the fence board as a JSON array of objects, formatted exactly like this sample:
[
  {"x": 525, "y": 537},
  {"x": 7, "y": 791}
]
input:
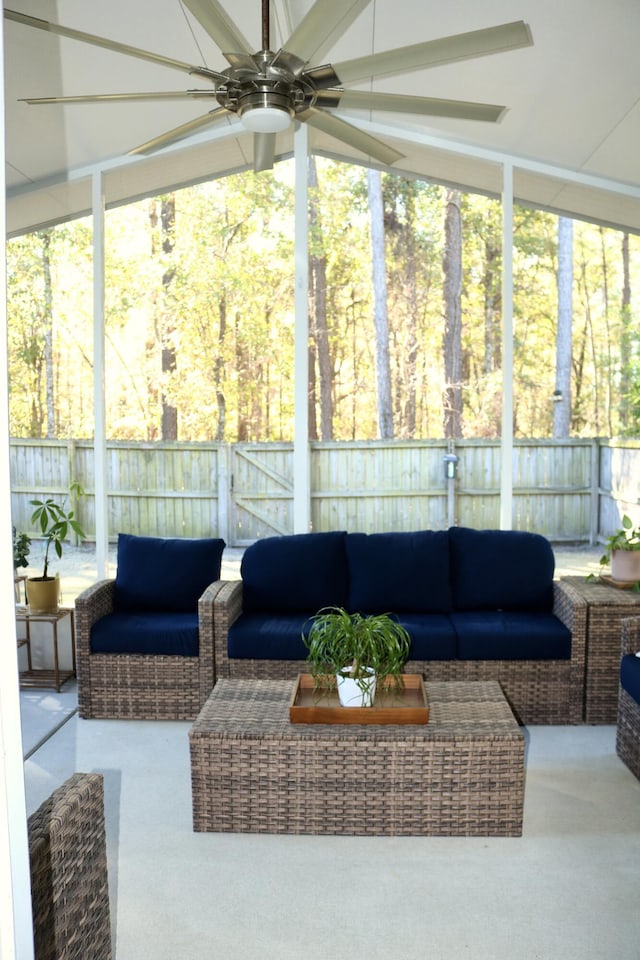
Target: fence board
[{"x": 245, "y": 491}]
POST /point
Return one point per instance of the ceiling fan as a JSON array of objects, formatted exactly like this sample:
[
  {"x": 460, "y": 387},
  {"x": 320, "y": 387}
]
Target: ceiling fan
[{"x": 268, "y": 90}]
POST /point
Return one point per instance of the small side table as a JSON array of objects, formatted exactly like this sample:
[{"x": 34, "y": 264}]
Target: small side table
[
  {"x": 40, "y": 677},
  {"x": 19, "y": 585},
  {"x": 607, "y": 606}
]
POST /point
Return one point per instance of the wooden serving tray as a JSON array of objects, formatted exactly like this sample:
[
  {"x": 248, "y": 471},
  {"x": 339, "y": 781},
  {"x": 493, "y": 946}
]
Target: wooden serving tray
[{"x": 406, "y": 706}]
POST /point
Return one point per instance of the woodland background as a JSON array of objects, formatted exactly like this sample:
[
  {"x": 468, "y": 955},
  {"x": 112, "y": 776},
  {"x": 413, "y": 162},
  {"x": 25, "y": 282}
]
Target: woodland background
[{"x": 405, "y": 316}]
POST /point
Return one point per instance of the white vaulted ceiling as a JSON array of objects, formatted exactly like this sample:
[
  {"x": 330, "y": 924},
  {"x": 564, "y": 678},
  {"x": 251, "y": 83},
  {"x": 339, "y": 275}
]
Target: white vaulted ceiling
[{"x": 571, "y": 132}]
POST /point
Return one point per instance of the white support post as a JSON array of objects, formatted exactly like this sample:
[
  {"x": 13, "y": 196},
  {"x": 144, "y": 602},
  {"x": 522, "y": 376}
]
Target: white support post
[
  {"x": 16, "y": 930},
  {"x": 99, "y": 403},
  {"x": 301, "y": 453},
  {"x": 506, "y": 448}
]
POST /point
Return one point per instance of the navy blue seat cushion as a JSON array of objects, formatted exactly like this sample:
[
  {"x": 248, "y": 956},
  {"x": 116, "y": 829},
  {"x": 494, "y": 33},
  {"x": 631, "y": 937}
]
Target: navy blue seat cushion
[
  {"x": 165, "y": 573},
  {"x": 501, "y": 570},
  {"x": 295, "y": 574},
  {"x": 504, "y": 635},
  {"x": 255, "y": 636},
  {"x": 432, "y": 636},
  {"x": 279, "y": 637},
  {"x": 399, "y": 572},
  {"x": 172, "y": 634},
  {"x": 630, "y": 675}
]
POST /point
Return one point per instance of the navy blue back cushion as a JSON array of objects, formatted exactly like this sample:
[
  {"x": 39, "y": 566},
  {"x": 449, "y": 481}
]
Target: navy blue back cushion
[
  {"x": 295, "y": 574},
  {"x": 630, "y": 675},
  {"x": 501, "y": 570},
  {"x": 159, "y": 574},
  {"x": 399, "y": 572}
]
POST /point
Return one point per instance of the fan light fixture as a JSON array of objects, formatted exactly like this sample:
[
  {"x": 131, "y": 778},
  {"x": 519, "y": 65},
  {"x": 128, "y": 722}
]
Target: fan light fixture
[{"x": 265, "y": 119}]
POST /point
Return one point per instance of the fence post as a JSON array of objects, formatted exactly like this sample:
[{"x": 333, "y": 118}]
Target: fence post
[
  {"x": 594, "y": 504},
  {"x": 223, "y": 490}
]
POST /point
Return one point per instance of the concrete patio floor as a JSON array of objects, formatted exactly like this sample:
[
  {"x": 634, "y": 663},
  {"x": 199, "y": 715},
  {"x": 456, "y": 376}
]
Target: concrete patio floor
[{"x": 566, "y": 889}]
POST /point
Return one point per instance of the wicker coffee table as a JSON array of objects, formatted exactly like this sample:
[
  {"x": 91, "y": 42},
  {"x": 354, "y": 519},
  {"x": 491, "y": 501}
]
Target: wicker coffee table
[{"x": 252, "y": 770}]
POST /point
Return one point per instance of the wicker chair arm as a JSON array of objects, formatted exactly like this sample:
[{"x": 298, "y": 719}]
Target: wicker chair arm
[
  {"x": 95, "y": 602},
  {"x": 69, "y": 880},
  {"x": 227, "y": 604},
  {"x": 630, "y": 635},
  {"x": 571, "y": 609},
  {"x": 206, "y": 654}
]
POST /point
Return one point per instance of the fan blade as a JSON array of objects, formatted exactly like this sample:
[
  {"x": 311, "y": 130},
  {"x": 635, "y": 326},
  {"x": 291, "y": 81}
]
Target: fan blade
[
  {"x": 219, "y": 26},
  {"x": 432, "y": 53},
  {"x": 425, "y": 106},
  {"x": 181, "y": 132},
  {"x": 344, "y": 131},
  {"x": 264, "y": 151},
  {"x": 113, "y": 45},
  {"x": 121, "y": 97},
  {"x": 320, "y": 28}
]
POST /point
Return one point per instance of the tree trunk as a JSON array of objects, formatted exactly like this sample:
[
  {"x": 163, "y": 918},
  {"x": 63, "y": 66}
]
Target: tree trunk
[
  {"x": 318, "y": 311},
  {"x": 411, "y": 365},
  {"x": 492, "y": 306},
  {"x": 564, "y": 348},
  {"x": 381, "y": 319},
  {"x": 169, "y": 428},
  {"x": 241, "y": 373},
  {"x": 218, "y": 371},
  {"x": 452, "y": 345},
  {"x": 48, "y": 334},
  {"x": 626, "y": 379}
]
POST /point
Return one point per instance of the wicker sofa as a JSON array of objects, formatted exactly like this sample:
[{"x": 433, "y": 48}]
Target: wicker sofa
[
  {"x": 69, "y": 879},
  {"x": 144, "y": 640},
  {"x": 479, "y": 605},
  {"x": 628, "y": 727}
]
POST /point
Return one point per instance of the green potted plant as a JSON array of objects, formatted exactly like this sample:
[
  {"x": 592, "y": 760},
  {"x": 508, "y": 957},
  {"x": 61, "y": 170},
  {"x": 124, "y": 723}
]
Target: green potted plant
[
  {"x": 356, "y": 652},
  {"x": 55, "y": 522},
  {"x": 21, "y": 549},
  {"x": 622, "y": 552}
]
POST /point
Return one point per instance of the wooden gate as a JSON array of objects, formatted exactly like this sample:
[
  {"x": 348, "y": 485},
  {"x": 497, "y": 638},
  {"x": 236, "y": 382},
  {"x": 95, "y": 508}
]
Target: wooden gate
[{"x": 261, "y": 488}]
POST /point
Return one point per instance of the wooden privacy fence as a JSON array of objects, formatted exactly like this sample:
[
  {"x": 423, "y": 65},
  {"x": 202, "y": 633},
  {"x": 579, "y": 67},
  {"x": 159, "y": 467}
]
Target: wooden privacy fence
[{"x": 569, "y": 491}]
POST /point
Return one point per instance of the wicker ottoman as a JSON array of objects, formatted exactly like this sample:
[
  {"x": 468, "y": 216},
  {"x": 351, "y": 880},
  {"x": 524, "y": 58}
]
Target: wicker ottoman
[{"x": 252, "y": 770}]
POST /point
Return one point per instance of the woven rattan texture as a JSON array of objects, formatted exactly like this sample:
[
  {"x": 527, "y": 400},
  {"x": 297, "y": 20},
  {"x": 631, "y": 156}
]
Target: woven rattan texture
[
  {"x": 628, "y": 723},
  {"x": 69, "y": 882},
  {"x": 133, "y": 687},
  {"x": 462, "y": 774},
  {"x": 538, "y": 691},
  {"x": 607, "y": 607}
]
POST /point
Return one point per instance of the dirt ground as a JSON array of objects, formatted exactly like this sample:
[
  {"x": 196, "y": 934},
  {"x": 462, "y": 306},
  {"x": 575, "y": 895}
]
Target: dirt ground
[{"x": 78, "y": 570}]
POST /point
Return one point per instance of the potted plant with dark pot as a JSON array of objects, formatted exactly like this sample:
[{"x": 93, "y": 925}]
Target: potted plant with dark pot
[
  {"x": 622, "y": 552},
  {"x": 356, "y": 652},
  {"x": 55, "y": 523}
]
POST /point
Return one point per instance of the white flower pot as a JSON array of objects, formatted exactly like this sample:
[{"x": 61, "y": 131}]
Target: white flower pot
[
  {"x": 625, "y": 566},
  {"x": 356, "y": 693}
]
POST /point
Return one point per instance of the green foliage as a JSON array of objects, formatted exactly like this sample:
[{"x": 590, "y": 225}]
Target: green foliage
[
  {"x": 21, "y": 549},
  {"x": 228, "y": 317},
  {"x": 349, "y": 643},
  {"x": 55, "y": 522},
  {"x": 626, "y": 537}
]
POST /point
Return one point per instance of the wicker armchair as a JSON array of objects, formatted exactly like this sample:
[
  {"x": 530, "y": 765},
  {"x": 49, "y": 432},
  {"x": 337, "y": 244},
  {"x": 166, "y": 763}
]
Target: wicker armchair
[
  {"x": 145, "y": 680},
  {"x": 628, "y": 727},
  {"x": 539, "y": 691},
  {"x": 69, "y": 881}
]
